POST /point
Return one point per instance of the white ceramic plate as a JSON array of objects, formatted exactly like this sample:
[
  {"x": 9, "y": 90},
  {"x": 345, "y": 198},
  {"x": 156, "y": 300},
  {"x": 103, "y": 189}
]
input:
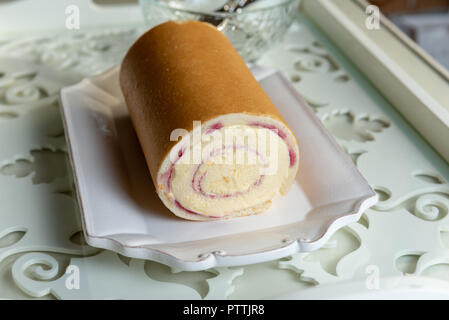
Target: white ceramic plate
[{"x": 121, "y": 211}]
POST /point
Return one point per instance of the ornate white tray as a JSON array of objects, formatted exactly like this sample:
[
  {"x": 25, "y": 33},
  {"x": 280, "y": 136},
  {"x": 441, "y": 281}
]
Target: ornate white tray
[
  {"x": 121, "y": 212},
  {"x": 404, "y": 236}
]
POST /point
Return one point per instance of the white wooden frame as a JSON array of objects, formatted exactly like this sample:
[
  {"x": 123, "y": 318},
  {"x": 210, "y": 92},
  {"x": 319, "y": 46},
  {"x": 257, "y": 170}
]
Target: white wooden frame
[{"x": 413, "y": 81}]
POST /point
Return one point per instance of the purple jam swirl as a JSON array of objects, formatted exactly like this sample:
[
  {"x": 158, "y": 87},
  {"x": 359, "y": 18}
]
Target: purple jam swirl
[
  {"x": 281, "y": 135},
  {"x": 214, "y": 127},
  {"x": 196, "y": 183}
]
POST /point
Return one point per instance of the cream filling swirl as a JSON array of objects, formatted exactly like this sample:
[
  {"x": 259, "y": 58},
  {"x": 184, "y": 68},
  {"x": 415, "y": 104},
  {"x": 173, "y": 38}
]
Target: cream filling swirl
[{"x": 217, "y": 187}]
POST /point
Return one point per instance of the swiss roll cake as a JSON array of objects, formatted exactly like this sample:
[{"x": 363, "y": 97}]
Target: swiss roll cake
[{"x": 215, "y": 145}]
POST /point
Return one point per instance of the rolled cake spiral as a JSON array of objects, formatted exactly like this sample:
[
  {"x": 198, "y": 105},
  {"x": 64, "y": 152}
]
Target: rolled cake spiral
[{"x": 214, "y": 143}]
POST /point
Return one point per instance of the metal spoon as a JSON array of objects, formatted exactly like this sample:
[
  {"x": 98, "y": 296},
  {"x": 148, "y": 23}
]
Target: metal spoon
[
  {"x": 233, "y": 5},
  {"x": 228, "y": 7}
]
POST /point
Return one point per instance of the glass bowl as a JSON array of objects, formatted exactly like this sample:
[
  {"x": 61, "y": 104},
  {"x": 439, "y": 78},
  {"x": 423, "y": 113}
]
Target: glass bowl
[{"x": 252, "y": 29}]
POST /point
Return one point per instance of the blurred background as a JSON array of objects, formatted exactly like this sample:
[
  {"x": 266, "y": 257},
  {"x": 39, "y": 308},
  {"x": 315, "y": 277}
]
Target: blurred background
[{"x": 425, "y": 21}]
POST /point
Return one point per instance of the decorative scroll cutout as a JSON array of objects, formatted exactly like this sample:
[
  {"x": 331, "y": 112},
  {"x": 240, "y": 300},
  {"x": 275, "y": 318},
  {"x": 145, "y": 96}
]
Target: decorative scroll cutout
[
  {"x": 407, "y": 263},
  {"x": 316, "y": 105},
  {"x": 295, "y": 78},
  {"x": 354, "y": 154},
  {"x": 315, "y": 59},
  {"x": 10, "y": 238},
  {"x": 220, "y": 287},
  {"x": 426, "y": 205},
  {"x": 430, "y": 207},
  {"x": 41, "y": 126},
  {"x": 26, "y": 86},
  {"x": 339, "y": 267},
  {"x": 344, "y": 125},
  {"x": 94, "y": 282},
  {"x": 364, "y": 221},
  {"x": 219, "y": 284},
  {"x": 49, "y": 225},
  {"x": 78, "y": 238},
  {"x": 194, "y": 280},
  {"x": 429, "y": 178},
  {"x": 47, "y": 165},
  {"x": 383, "y": 193},
  {"x": 394, "y": 254},
  {"x": 82, "y": 53}
]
